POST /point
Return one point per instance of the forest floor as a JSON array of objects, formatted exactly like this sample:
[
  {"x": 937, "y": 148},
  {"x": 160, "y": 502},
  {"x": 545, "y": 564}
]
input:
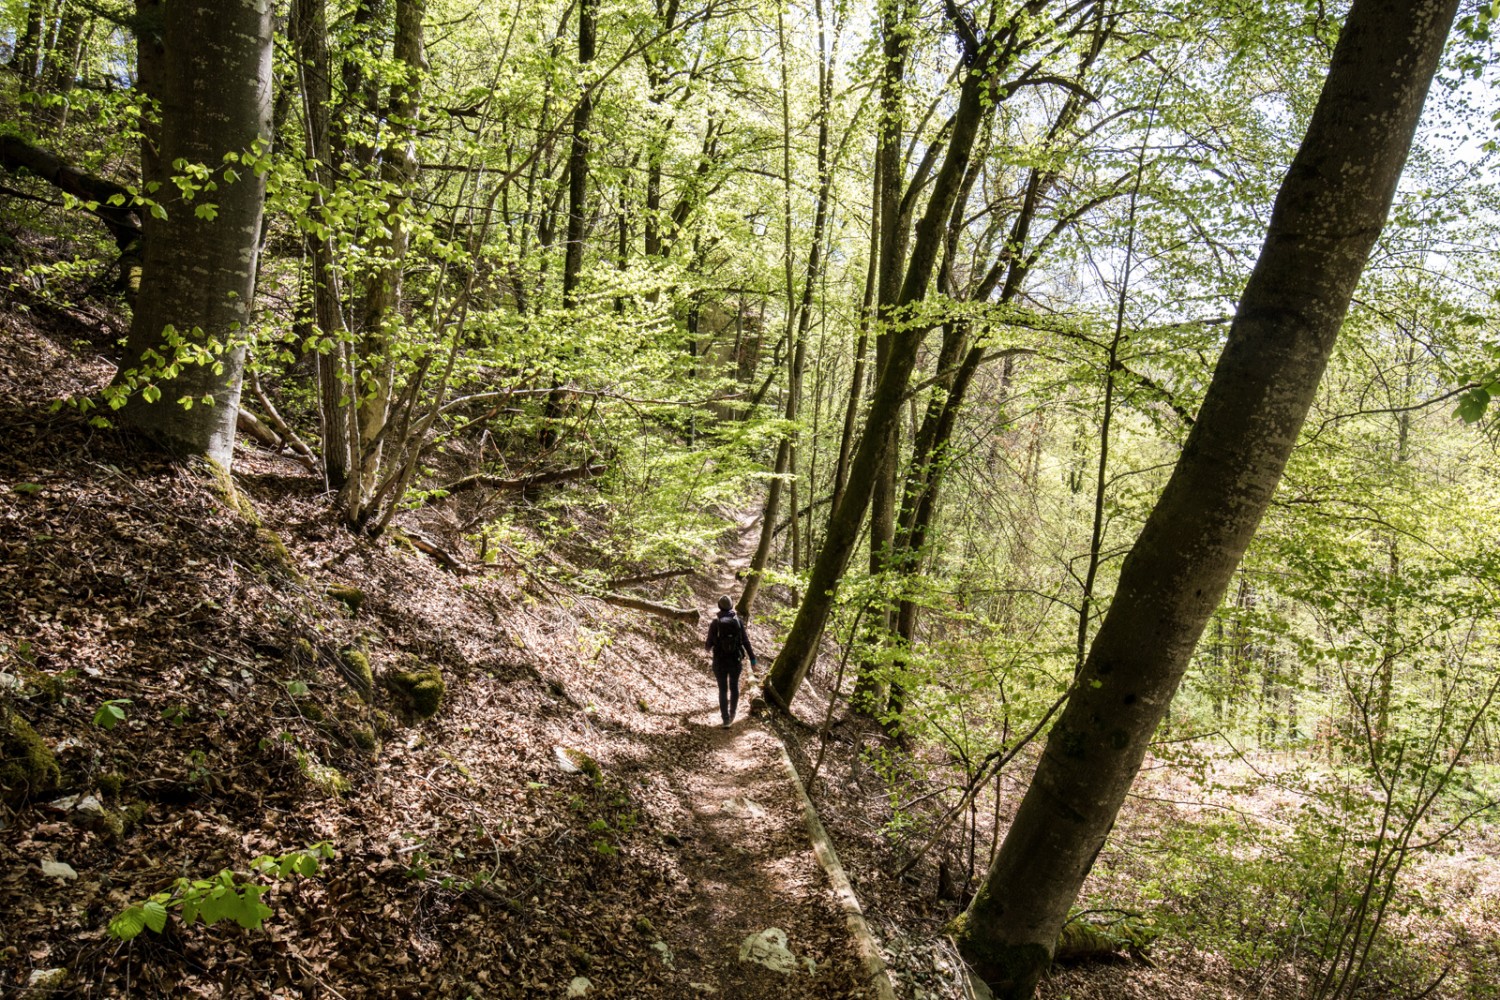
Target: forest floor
[{"x": 572, "y": 822}]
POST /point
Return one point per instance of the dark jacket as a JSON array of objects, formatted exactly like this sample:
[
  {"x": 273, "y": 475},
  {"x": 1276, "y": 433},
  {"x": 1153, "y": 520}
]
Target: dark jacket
[{"x": 722, "y": 659}]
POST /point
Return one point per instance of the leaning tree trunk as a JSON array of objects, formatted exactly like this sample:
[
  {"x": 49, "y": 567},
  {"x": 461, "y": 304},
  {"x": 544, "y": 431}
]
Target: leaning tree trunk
[
  {"x": 1332, "y": 206},
  {"x": 976, "y": 101},
  {"x": 186, "y": 349}
]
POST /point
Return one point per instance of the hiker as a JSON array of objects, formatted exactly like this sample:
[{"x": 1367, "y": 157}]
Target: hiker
[{"x": 728, "y": 641}]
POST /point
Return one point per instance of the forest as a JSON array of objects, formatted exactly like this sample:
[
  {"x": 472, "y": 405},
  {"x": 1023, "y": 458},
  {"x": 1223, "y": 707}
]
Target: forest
[{"x": 1084, "y": 405}]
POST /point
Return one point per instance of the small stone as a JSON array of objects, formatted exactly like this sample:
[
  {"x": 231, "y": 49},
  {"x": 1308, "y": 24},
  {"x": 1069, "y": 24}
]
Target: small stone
[
  {"x": 46, "y": 980},
  {"x": 579, "y": 987},
  {"x": 59, "y": 870},
  {"x": 768, "y": 948}
]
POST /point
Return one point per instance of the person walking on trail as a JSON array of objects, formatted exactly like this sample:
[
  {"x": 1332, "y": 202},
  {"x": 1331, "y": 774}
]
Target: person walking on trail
[{"x": 729, "y": 642}]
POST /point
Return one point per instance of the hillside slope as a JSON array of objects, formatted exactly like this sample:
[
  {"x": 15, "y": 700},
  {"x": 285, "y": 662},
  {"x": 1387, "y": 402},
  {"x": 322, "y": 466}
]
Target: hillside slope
[{"x": 467, "y": 859}]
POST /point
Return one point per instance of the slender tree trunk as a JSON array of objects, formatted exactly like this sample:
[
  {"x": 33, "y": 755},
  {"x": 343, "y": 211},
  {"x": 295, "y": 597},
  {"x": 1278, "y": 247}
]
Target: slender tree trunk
[
  {"x": 310, "y": 35},
  {"x": 1327, "y": 216},
  {"x": 198, "y": 275},
  {"x": 578, "y": 189},
  {"x": 870, "y": 689},
  {"x": 27, "y": 59},
  {"x": 382, "y": 304},
  {"x": 797, "y": 358},
  {"x": 976, "y": 101},
  {"x": 578, "y": 157},
  {"x": 866, "y": 318},
  {"x": 60, "y": 70}
]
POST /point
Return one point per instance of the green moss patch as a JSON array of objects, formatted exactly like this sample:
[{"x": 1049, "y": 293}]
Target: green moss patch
[
  {"x": 349, "y": 596},
  {"x": 420, "y": 692},
  {"x": 27, "y": 764},
  {"x": 354, "y": 664}
]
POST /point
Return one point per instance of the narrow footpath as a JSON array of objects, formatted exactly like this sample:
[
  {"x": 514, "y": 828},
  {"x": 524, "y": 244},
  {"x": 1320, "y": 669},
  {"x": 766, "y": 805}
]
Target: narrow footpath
[{"x": 758, "y": 889}]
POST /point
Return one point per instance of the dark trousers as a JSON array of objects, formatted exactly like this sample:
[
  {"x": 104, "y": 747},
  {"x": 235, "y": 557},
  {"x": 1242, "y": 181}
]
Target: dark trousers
[{"x": 728, "y": 675}]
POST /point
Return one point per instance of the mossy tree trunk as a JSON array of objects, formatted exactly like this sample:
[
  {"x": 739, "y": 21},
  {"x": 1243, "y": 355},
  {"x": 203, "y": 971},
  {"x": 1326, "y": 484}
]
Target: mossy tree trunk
[
  {"x": 1332, "y": 205},
  {"x": 186, "y": 349}
]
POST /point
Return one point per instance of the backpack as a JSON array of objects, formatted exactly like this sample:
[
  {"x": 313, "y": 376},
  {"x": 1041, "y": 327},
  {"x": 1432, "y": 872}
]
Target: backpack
[{"x": 727, "y": 642}]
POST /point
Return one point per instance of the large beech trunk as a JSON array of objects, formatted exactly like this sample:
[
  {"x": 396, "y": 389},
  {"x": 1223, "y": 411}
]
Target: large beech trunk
[
  {"x": 1332, "y": 206},
  {"x": 198, "y": 274}
]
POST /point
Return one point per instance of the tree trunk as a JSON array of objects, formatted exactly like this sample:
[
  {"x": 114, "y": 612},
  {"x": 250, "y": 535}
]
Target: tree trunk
[
  {"x": 578, "y": 187},
  {"x": 27, "y": 60},
  {"x": 60, "y": 70},
  {"x": 382, "y": 305},
  {"x": 976, "y": 101},
  {"x": 578, "y": 158},
  {"x": 857, "y": 379},
  {"x": 310, "y": 36},
  {"x": 895, "y": 19},
  {"x": 1331, "y": 207},
  {"x": 186, "y": 348},
  {"x": 797, "y": 357}
]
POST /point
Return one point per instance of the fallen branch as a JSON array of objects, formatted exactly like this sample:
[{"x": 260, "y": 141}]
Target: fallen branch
[
  {"x": 251, "y": 425},
  {"x": 650, "y": 607},
  {"x": 426, "y": 545},
  {"x": 123, "y": 222},
  {"x": 865, "y": 945},
  {"x": 280, "y": 426},
  {"x": 524, "y": 483},
  {"x": 636, "y": 581}
]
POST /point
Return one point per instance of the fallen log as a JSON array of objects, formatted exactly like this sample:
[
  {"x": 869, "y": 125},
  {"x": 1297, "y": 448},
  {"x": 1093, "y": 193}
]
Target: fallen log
[
  {"x": 122, "y": 220},
  {"x": 523, "y": 483},
  {"x": 251, "y": 425},
  {"x": 636, "y": 581},
  {"x": 426, "y": 545},
  {"x": 650, "y": 607}
]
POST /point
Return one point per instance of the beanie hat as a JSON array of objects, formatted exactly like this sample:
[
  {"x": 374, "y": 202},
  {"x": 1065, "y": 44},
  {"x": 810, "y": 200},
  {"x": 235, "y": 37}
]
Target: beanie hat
[{"x": 725, "y": 604}]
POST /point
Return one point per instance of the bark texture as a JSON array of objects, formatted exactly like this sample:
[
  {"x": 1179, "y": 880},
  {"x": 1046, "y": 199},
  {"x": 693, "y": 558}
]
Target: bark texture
[
  {"x": 198, "y": 274},
  {"x": 1332, "y": 206}
]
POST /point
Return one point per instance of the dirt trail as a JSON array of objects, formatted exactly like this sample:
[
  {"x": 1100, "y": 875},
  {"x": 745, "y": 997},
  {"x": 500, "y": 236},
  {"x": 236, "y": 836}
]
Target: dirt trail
[{"x": 743, "y": 847}]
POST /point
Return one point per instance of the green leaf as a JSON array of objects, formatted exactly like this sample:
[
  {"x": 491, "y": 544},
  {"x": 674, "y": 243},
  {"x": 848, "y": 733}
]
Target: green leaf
[
  {"x": 129, "y": 923},
  {"x": 27, "y": 488},
  {"x": 1471, "y": 405},
  {"x": 111, "y": 713},
  {"x": 155, "y": 915},
  {"x": 150, "y": 393},
  {"x": 207, "y": 211}
]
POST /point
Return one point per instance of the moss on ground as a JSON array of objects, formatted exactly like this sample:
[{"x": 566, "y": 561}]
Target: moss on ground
[
  {"x": 278, "y": 556},
  {"x": 27, "y": 764},
  {"x": 356, "y": 670},
  {"x": 419, "y": 691},
  {"x": 349, "y": 596}
]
